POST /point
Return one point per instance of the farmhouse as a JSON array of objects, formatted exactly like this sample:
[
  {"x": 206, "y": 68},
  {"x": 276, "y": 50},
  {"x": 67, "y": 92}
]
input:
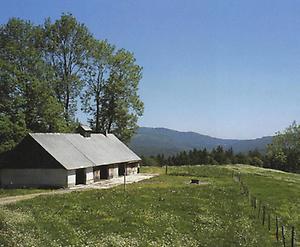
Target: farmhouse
[{"x": 64, "y": 160}]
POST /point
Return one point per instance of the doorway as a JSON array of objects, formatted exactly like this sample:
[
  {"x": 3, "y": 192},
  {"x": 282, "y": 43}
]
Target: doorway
[
  {"x": 121, "y": 170},
  {"x": 80, "y": 176},
  {"x": 97, "y": 173},
  {"x": 103, "y": 172}
]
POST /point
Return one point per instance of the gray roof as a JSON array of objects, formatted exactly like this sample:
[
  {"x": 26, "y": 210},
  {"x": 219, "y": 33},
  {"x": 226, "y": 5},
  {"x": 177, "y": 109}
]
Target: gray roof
[{"x": 75, "y": 151}]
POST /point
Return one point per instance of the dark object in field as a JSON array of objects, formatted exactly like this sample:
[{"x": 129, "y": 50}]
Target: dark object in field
[{"x": 194, "y": 181}]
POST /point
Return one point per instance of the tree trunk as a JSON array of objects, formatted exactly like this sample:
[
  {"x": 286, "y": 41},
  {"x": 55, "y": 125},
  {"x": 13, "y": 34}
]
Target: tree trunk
[
  {"x": 67, "y": 117},
  {"x": 97, "y": 113}
]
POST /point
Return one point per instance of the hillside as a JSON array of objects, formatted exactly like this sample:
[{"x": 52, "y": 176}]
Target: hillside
[{"x": 152, "y": 141}]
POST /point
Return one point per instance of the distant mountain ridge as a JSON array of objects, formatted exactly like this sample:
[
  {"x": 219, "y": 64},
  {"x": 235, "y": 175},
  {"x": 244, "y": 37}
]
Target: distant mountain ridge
[{"x": 152, "y": 141}]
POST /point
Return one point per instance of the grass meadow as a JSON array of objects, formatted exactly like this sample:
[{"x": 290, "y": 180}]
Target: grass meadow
[
  {"x": 163, "y": 211},
  {"x": 278, "y": 191}
]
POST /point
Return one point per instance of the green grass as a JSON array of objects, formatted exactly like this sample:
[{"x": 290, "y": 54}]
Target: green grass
[
  {"x": 16, "y": 192},
  {"x": 279, "y": 191},
  {"x": 153, "y": 169},
  {"x": 163, "y": 211}
]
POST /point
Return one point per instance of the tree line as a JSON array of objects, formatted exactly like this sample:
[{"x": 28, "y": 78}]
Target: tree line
[
  {"x": 48, "y": 71},
  {"x": 282, "y": 154},
  {"x": 216, "y": 156}
]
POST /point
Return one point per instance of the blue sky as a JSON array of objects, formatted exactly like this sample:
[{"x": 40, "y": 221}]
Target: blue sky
[{"x": 229, "y": 69}]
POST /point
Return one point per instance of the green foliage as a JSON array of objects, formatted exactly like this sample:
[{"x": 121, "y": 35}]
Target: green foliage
[
  {"x": 11, "y": 132},
  {"x": 149, "y": 161},
  {"x": 27, "y": 101},
  {"x": 111, "y": 95},
  {"x": 255, "y": 161},
  {"x": 97, "y": 76},
  {"x": 284, "y": 152},
  {"x": 66, "y": 45},
  {"x": 43, "y": 70},
  {"x": 217, "y": 156}
]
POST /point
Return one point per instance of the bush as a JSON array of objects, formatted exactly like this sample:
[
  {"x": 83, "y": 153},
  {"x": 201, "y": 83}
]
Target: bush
[{"x": 255, "y": 161}]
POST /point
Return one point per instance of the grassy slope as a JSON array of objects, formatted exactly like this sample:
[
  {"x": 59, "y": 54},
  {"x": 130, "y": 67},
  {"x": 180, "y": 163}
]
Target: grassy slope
[
  {"x": 163, "y": 211},
  {"x": 280, "y": 191}
]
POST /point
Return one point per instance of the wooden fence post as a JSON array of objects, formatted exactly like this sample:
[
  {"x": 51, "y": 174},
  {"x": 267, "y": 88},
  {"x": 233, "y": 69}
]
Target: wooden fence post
[
  {"x": 293, "y": 237},
  {"x": 259, "y": 206},
  {"x": 283, "y": 237},
  {"x": 264, "y": 214},
  {"x": 125, "y": 174},
  {"x": 277, "y": 231}
]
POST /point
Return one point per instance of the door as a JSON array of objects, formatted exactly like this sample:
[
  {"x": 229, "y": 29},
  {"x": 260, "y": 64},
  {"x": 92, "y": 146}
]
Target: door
[
  {"x": 104, "y": 172},
  {"x": 121, "y": 169},
  {"x": 80, "y": 176}
]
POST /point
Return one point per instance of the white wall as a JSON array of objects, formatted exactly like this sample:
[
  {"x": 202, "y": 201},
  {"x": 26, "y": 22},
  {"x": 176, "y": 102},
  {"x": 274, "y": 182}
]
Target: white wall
[
  {"x": 89, "y": 175},
  {"x": 71, "y": 178},
  {"x": 113, "y": 171},
  {"x": 132, "y": 168},
  {"x": 33, "y": 177}
]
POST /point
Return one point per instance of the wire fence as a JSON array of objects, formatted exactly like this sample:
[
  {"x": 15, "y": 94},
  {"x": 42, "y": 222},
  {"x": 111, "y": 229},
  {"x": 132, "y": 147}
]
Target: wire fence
[{"x": 268, "y": 217}]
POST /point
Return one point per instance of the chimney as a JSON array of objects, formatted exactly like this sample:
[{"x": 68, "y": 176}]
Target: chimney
[{"x": 84, "y": 130}]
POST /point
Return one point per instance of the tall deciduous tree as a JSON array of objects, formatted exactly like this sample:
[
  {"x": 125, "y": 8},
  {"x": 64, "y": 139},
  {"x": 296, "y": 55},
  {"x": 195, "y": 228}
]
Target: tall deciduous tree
[
  {"x": 27, "y": 103},
  {"x": 284, "y": 152},
  {"x": 122, "y": 105},
  {"x": 42, "y": 73},
  {"x": 111, "y": 96},
  {"x": 97, "y": 75},
  {"x": 66, "y": 47}
]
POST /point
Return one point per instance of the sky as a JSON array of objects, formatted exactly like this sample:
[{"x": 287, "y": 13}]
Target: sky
[{"x": 228, "y": 69}]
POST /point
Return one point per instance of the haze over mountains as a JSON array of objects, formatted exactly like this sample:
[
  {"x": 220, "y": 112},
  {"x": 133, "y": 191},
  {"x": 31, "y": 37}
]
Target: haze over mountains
[{"x": 153, "y": 141}]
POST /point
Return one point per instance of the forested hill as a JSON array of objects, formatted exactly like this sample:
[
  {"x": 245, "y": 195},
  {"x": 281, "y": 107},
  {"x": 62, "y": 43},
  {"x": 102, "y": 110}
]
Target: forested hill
[{"x": 152, "y": 141}]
